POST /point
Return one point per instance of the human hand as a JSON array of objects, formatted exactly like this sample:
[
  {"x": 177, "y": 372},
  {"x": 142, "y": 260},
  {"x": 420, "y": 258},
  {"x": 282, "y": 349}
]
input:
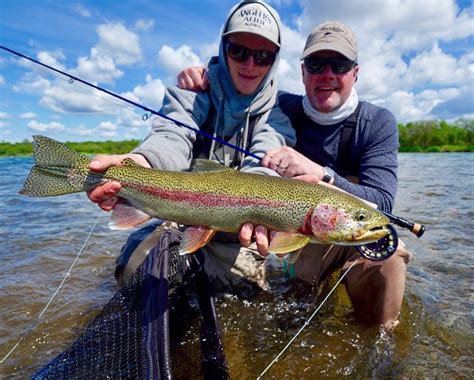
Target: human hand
[
  {"x": 193, "y": 78},
  {"x": 289, "y": 163},
  {"x": 261, "y": 237},
  {"x": 106, "y": 195}
]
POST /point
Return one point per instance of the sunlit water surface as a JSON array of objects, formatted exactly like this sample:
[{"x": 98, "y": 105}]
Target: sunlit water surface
[{"x": 40, "y": 238}]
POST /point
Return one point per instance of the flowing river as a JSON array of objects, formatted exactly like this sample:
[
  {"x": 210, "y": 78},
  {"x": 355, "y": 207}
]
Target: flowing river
[{"x": 40, "y": 238}]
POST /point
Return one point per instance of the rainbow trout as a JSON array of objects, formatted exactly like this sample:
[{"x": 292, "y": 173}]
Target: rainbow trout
[{"x": 211, "y": 197}]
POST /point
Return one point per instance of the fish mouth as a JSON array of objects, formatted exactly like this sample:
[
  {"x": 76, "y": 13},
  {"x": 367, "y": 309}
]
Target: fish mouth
[{"x": 372, "y": 235}]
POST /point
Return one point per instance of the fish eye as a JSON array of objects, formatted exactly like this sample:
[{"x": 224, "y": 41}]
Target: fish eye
[{"x": 361, "y": 215}]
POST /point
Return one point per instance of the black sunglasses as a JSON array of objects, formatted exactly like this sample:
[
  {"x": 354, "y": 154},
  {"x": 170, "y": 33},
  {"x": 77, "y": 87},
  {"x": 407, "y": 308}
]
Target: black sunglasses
[
  {"x": 317, "y": 65},
  {"x": 240, "y": 54}
]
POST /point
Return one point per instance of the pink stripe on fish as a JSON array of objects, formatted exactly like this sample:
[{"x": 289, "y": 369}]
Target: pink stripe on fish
[{"x": 205, "y": 199}]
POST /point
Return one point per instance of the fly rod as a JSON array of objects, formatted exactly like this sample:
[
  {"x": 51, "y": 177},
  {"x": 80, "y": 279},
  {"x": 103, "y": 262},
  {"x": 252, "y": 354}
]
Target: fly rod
[{"x": 415, "y": 228}]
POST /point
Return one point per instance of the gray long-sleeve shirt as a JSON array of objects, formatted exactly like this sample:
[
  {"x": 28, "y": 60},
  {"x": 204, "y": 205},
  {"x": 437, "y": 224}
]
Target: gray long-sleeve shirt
[{"x": 170, "y": 147}]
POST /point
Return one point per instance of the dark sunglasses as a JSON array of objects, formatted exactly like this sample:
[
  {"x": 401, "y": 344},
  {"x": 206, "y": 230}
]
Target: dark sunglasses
[
  {"x": 317, "y": 65},
  {"x": 240, "y": 54}
]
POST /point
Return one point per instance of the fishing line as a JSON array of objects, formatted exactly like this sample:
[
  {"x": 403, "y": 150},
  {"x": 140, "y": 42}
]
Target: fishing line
[
  {"x": 177, "y": 122},
  {"x": 307, "y": 322},
  {"x": 78, "y": 86},
  {"x": 36, "y": 322}
]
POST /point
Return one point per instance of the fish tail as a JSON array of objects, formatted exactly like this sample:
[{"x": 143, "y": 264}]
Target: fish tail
[{"x": 58, "y": 170}]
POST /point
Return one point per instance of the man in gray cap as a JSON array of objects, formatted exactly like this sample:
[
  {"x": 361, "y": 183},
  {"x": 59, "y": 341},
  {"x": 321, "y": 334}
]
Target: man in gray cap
[
  {"x": 347, "y": 143},
  {"x": 350, "y": 144}
]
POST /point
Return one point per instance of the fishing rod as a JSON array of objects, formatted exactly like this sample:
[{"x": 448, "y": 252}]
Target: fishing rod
[
  {"x": 138, "y": 105},
  {"x": 415, "y": 228}
]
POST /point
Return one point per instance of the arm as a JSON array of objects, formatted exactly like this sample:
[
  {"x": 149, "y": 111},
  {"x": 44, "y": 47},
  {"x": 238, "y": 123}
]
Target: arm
[
  {"x": 378, "y": 144},
  {"x": 378, "y": 163},
  {"x": 169, "y": 146}
]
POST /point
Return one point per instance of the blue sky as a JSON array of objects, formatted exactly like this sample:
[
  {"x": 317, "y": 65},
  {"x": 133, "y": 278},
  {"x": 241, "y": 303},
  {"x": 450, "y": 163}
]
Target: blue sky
[{"x": 416, "y": 58}]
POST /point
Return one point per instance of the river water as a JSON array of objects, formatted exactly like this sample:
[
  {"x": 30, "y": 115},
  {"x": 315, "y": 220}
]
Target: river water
[{"x": 40, "y": 238}]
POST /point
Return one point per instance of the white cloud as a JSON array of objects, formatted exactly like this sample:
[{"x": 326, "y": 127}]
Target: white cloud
[
  {"x": 52, "y": 58},
  {"x": 32, "y": 84},
  {"x": 4, "y": 115},
  {"x": 175, "y": 60},
  {"x": 107, "y": 129},
  {"x": 69, "y": 99},
  {"x": 130, "y": 119},
  {"x": 83, "y": 130},
  {"x": 43, "y": 127},
  {"x": 119, "y": 43},
  {"x": 107, "y": 126},
  {"x": 144, "y": 25},
  {"x": 447, "y": 70},
  {"x": 151, "y": 93},
  {"x": 82, "y": 10},
  {"x": 28, "y": 115},
  {"x": 2, "y": 80},
  {"x": 98, "y": 68}
]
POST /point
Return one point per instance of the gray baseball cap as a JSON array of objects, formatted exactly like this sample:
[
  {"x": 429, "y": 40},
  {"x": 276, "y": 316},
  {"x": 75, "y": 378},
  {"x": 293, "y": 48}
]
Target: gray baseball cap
[
  {"x": 254, "y": 17},
  {"x": 332, "y": 35}
]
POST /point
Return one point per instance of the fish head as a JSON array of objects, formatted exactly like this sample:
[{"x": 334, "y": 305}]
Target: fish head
[{"x": 356, "y": 224}]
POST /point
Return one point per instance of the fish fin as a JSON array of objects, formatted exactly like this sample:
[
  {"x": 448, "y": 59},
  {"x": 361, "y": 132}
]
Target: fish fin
[
  {"x": 284, "y": 242},
  {"x": 294, "y": 256},
  {"x": 57, "y": 170},
  {"x": 194, "y": 238},
  {"x": 42, "y": 182},
  {"x": 201, "y": 165},
  {"x": 125, "y": 216},
  {"x": 128, "y": 162},
  {"x": 49, "y": 152}
]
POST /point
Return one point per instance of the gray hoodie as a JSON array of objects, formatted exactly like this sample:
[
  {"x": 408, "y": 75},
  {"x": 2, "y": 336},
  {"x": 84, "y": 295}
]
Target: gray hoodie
[{"x": 170, "y": 147}]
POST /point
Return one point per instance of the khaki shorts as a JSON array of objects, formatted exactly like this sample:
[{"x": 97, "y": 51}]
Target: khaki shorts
[
  {"x": 233, "y": 268},
  {"x": 316, "y": 261}
]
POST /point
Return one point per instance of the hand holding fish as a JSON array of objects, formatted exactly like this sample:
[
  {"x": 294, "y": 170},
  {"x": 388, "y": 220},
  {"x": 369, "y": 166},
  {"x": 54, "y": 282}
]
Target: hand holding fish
[
  {"x": 289, "y": 163},
  {"x": 261, "y": 234},
  {"x": 261, "y": 237},
  {"x": 106, "y": 195}
]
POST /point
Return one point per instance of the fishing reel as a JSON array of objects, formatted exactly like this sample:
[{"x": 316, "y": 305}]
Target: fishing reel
[{"x": 381, "y": 249}]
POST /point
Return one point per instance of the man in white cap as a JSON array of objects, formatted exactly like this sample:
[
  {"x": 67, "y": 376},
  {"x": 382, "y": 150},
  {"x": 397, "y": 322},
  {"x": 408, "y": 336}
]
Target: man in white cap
[
  {"x": 240, "y": 108},
  {"x": 349, "y": 144}
]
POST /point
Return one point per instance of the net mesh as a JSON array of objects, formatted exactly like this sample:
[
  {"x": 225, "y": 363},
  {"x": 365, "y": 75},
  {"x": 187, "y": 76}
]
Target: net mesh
[{"x": 121, "y": 341}]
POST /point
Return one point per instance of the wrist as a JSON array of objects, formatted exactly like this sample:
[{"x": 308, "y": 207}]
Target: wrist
[
  {"x": 140, "y": 159},
  {"x": 328, "y": 176}
]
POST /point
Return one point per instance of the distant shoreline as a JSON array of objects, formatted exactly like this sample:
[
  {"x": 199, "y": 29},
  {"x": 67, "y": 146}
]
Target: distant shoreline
[
  {"x": 435, "y": 136},
  {"x": 25, "y": 149}
]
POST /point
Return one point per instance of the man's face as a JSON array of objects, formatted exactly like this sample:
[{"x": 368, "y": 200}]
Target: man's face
[
  {"x": 327, "y": 91},
  {"x": 248, "y": 75}
]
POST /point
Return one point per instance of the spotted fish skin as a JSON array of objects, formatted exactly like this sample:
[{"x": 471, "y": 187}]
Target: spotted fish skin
[{"x": 214, "y": 197}]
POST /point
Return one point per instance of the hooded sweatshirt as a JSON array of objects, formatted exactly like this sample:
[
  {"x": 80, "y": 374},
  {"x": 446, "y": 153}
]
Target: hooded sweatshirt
[{"x": 225, "y": 114}]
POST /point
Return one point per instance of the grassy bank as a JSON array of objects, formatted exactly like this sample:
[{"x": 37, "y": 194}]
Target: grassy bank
[
  {"x": 88, "y": 147},
  {"x": 426, "y": 136}
]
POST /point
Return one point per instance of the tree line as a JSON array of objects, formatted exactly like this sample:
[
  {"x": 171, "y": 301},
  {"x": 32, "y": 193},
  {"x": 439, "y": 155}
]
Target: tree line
[
  {"x": 437, "y": 136},
  {"x": 25, "y": 147},
  {"x": 423, "y": 136}
]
